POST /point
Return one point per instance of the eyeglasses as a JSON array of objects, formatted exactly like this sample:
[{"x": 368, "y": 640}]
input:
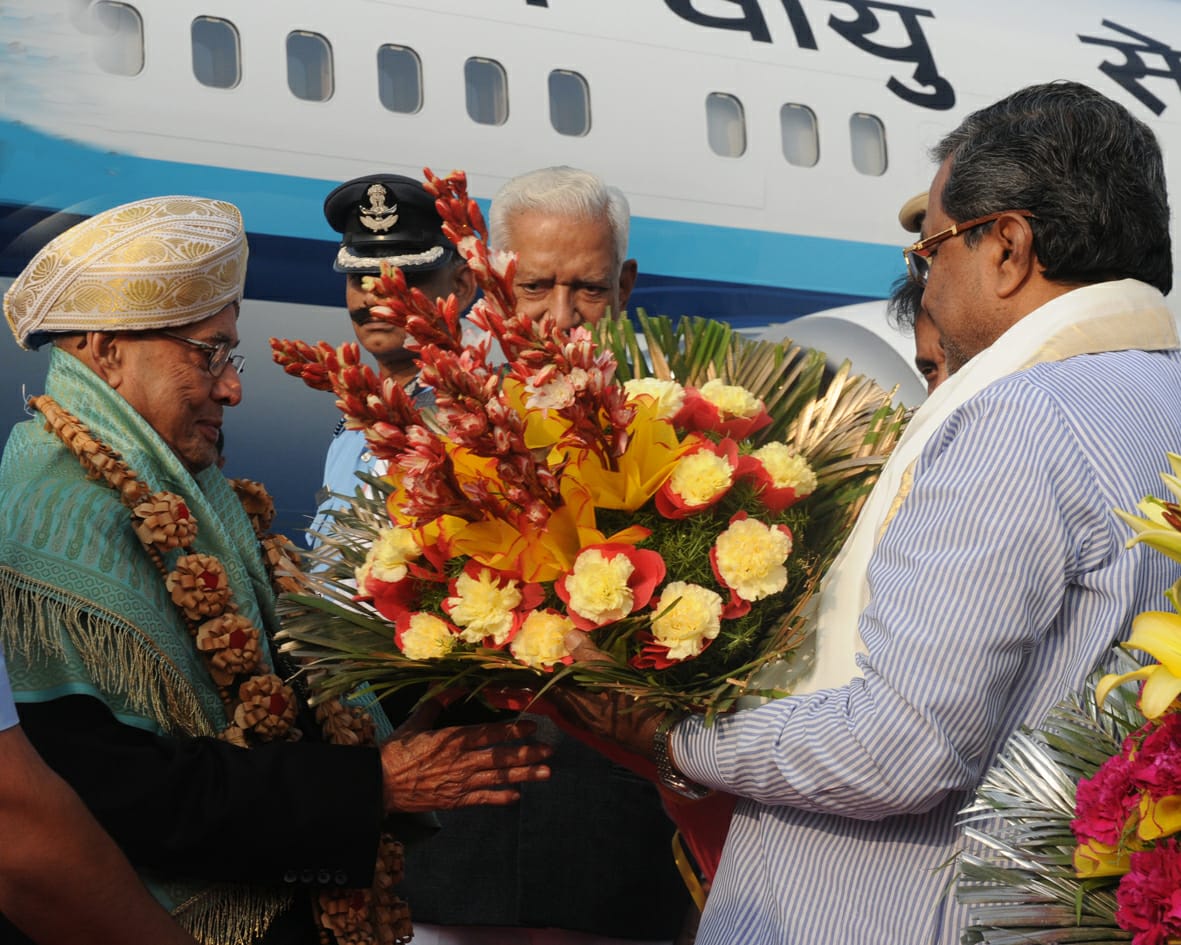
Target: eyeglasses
[
  {"x": 218, "y": 354},
  {"x": 918, "y": 255}
]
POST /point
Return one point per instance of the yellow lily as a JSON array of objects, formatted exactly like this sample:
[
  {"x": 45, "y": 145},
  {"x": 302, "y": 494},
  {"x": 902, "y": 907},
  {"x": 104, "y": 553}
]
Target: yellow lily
[
  {"x": 543, "y": 428},
  {"x": 652, "y": 452},
  {"x": 540, "y": 552},
  {"x": 1153, "y": 529},
  {"x": 1160, "y": 818},
  {"x": 1092, "y": 859},
  {"x": 1157, "y": 633}
]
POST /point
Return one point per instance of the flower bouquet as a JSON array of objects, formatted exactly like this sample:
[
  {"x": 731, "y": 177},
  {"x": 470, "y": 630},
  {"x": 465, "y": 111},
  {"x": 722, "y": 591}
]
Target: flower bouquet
[
  {"x": 676, "y": 495},
  {"x": 1080, "y": 820}
]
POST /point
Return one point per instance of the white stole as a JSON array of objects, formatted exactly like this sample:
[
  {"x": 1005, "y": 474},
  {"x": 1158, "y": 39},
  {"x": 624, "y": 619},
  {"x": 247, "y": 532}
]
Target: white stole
[{"x": 1108, "y": 316}]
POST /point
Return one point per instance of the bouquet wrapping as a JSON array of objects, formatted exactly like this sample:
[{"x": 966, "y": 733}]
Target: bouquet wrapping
[{"x": 675, "y": 493}]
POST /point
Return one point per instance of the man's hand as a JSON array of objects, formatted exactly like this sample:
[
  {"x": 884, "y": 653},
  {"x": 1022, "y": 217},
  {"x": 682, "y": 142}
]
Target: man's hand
[
  {"x": 462, "y": 766},
  {"x": 611, "y": 715}
]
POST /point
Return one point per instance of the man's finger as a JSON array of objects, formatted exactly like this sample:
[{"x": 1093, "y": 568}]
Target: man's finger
[{"x": 583, "y": 649}]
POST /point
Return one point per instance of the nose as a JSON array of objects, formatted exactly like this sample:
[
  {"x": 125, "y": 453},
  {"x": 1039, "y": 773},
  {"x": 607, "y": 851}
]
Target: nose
[
  {"x": 563, "y": 308},
  {"x": 227, "y": 387}
]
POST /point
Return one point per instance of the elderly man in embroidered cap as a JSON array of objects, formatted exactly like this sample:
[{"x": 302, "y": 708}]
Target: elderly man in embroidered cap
[
  {"x": 136, "y": 608},
  {"x": 390, "y": 219}
]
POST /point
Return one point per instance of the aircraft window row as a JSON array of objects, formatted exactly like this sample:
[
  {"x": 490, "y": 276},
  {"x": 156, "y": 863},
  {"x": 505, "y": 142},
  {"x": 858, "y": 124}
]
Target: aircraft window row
[
  {"x": 799, "y": 134},
  {"x": 217, "y": 63}
]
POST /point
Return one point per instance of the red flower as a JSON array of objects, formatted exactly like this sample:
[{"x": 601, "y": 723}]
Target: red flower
[
  {"x": 1104, "y": 803},
  {"x": 654, "y": 654},
  {"x": 773, "y": 498},
  {"x": 694, "y": 486},
  {"x": 391, "y": 599},
  {"x": 1149, "y": 896},
  {"x": 700, "y": 415},
  {"x": 594, "y": 600}
]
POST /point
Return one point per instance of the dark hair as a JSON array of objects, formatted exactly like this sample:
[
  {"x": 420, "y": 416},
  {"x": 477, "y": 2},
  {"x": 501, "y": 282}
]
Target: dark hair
[
  {"x": 1091, "y": 173},
  {"x": 906, "y": 298}
]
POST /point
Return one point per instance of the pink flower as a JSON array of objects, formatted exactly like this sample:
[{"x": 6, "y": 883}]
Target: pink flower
[
  {"x": 1156, "y": 764},
  {"x": 1105, "y": 802},
  {"x": 1149, "y": 896}
]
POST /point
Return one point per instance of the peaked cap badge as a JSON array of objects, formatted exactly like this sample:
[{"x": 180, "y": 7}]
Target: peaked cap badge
[{"x": 377, "y": 216}]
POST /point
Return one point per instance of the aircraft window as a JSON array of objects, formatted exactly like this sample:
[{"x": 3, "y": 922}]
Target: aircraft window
[
  {"x": 487, "y": 91},
  {"x": 118, "y": 38},
  {"x": 867, "y": 135},
  {"x": 726, "y": 124},
  {"x": 798, "y": 131},
  {"x": 569, "y": 103},
  {"x": 217, "y": 56},
  {"x": 399, "y": 78},
  {"x": 309, "y": 66}
]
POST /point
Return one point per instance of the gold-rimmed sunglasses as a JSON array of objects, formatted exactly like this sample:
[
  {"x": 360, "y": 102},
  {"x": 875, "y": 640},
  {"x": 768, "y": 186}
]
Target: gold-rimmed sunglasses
[{"x": 918, "y": 255}]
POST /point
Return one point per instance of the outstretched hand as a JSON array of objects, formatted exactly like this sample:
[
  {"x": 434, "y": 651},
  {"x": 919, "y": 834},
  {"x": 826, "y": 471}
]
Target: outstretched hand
[
  {"x": 461, "y": 766},
  {"x": 612, "y": 715}
]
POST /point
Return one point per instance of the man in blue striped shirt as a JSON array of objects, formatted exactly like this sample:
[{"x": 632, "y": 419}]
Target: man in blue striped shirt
[{"x": 1003, "y": 577}]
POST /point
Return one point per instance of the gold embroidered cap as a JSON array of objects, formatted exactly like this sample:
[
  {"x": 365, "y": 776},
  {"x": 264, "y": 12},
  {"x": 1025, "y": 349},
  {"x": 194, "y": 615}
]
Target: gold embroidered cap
[{"x": 155, "y": 263}]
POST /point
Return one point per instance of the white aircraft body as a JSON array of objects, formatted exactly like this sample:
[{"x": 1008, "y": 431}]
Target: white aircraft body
[{"x": 765, "y": 146}]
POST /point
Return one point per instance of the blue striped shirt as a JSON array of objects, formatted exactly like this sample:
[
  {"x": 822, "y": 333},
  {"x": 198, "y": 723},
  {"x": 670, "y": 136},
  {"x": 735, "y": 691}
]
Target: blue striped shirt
[{"x": 1003, "y": 579}]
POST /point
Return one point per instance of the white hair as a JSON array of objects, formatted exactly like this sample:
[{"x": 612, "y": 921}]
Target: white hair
[{"x": 560, "y": 191}]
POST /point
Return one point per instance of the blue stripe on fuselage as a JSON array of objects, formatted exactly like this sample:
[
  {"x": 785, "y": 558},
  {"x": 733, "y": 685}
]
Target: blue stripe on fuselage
[{"x": 47, "y": 183}]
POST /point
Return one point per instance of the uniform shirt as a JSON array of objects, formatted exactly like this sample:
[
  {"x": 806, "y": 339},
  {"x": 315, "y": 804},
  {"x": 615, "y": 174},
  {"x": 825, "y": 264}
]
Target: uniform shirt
[
  {"x": 348, "y": 454},
  {"x": 1000, "y": 583},
  {"x": 7, "y": 708}
]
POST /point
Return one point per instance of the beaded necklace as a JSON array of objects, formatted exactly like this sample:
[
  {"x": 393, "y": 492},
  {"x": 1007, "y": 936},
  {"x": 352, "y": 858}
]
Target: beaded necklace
[{"x": 260, "y": 706}]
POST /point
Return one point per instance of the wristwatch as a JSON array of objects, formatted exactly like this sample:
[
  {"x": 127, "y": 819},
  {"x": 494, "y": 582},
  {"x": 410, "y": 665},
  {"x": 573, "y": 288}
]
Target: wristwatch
[{"x": 669, "y": 776}]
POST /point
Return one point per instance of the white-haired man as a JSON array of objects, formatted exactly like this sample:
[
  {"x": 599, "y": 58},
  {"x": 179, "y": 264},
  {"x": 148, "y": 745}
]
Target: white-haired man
[
  {"x": 588, "y": 860},
  {"x": 569, "y": 231}
]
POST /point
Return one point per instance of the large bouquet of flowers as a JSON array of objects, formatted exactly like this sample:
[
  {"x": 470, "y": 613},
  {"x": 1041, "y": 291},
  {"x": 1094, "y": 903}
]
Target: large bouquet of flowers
[
  {"x": 1080, "y": 820},
  {"x": 677, "y": 496}
]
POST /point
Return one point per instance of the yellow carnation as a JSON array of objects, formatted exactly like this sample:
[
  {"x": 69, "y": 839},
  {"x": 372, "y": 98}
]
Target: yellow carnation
[
  {"x": 598, "y": 588},
  {"x": 787, "y": 468},
  {"x": 700, "y": 476},
  {"x": 730, "y": 399},
  {"x": 695, "y": 618},
  {"x": 750, "y": 556},
  {"x": 388, "y": 556},
  {"x": 426, "y": 637},
  {"x": 540, "y": 641},
  {"x": 669, "y": 396},
  {"x": 482, "y": 607}
]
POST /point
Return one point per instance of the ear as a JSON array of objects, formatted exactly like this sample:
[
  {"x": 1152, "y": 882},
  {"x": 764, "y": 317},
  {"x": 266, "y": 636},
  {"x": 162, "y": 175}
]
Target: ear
[
  {"x": 106, "y": 355},
  {"x": 464, "y": 286},
  {"x": 1016, "y": 261},
  {"x": 627, "y": 281}
]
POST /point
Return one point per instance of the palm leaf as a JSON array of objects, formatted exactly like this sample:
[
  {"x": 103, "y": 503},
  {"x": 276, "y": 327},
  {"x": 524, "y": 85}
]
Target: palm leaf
[{"x": 1017, "y": 870}]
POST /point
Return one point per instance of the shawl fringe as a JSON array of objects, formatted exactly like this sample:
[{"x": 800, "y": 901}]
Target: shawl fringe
[
  {"x": 121, "y": 660},
  {"x": 231, "y": 915}
]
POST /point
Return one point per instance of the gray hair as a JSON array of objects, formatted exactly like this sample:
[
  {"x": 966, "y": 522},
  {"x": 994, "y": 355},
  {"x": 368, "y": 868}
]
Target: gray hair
[
  {"x": 561, "y": 191},
  {"x": 1091, "y": 173}
]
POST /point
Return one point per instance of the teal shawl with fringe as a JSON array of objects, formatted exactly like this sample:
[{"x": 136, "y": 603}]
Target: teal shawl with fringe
[{"x": 84, "y": 611}]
